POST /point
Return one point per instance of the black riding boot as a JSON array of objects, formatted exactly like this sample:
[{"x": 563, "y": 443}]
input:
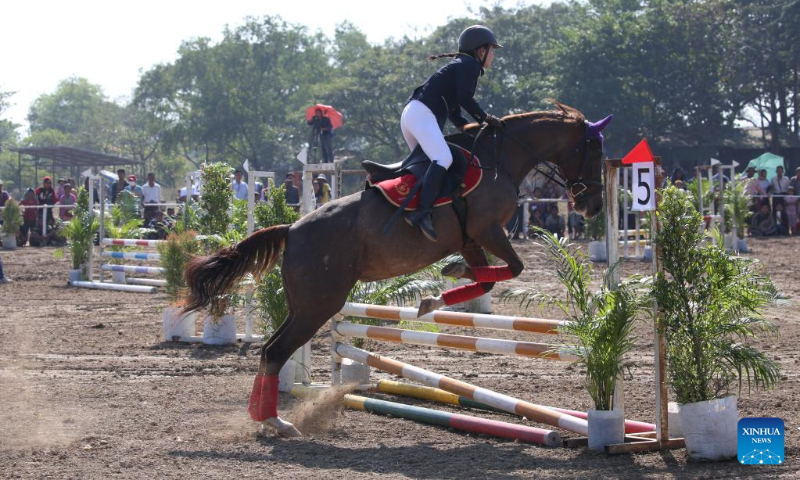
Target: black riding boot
[{"x": 431, "y": 186}]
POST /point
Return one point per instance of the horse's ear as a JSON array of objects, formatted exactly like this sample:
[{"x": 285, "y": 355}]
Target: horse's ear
[{"x": 597, "y": 127}]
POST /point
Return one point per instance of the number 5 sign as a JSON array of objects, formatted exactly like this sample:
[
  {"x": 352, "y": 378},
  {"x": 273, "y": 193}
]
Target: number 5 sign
[{"x": 644, "y": 176}]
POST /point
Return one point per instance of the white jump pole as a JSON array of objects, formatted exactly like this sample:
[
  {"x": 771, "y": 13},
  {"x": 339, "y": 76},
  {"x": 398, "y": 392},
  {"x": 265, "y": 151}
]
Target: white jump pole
[{"x": 115, "y": 286}]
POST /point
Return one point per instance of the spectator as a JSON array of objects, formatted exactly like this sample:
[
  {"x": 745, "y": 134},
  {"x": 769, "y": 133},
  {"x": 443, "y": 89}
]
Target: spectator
[
  {"x": 292, "y": 193},
  {"x": 554, "y": 222},
  {"x": 47, "y": 196},
  {"x": 52, "y": 236},
  {"x": 677, "y": 175},
  {"x": 119, "y": 185},
  {"x": 750, "y": 173},
  {"x": 86, "y": 186},
  {"x": 60, "y": 187},
  {"x": 795, "y": 181},
  {"x": 679, "y": 184},
  {"x": 151, "y": 193},
  {"x": 324, "y": 191},
  {"x": 781, "y": 220},
  {"x": 322, "y": 127},
  {"x": 66, "y": 203},
  {"x": 4, "y": 196},
  {"x": 239, "y": 187},
  {"x": 537, "y": 218},
  {"x": 791, "y": 210},
  {"x": 3, "y": 278},
  {"x": 763, "y": 223},
  {"x": 778, "y": 186},
  {"x": 133, "y": 188},
  {"x": 29, "y": 215},
  {"x": 159, "y": 224},
  {"x": 577, "y": 224},
  {"x": 762, "y": 180}
]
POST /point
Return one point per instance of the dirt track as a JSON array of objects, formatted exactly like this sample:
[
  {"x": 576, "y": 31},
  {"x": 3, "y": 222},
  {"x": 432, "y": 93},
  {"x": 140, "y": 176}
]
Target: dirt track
[{"x": 88, "y": 390}]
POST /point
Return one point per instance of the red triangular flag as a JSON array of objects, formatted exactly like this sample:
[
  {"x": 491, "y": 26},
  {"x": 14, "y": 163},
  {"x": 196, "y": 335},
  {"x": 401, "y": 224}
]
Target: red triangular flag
[{"x": 640, "y": 153}]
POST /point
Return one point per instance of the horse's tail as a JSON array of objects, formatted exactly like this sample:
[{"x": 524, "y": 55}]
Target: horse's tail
[{"x": 208, "y": 278}]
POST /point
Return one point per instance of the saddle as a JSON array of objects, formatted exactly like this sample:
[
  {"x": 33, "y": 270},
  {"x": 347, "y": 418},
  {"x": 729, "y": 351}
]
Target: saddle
[{"x": 399, "y": 180}]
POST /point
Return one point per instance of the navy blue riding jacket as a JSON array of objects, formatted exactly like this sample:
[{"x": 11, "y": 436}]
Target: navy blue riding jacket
[{"x": 450, "y": 89}]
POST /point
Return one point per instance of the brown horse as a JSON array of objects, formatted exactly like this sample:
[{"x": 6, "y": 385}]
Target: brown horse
[{"x": 327, "y": 251}]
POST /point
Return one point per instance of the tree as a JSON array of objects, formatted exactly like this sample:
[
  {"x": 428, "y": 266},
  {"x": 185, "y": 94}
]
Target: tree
[{"x": 79, "y": 110}]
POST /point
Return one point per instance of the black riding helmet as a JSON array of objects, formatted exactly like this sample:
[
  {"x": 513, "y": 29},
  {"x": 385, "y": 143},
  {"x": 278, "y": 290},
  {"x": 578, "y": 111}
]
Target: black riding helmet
[{"x": 475, "y": 37}]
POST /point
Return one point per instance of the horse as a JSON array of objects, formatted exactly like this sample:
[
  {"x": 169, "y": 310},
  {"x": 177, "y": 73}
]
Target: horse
[{"x": 328, "y": 250}]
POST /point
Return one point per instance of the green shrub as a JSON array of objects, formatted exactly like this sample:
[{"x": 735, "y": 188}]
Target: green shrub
[
  {"x": 80, "y": 231},
  {"x": 176, "y": 251},
  {"x": 216, "y": 198},
  {"x": 12, "y": 217}
]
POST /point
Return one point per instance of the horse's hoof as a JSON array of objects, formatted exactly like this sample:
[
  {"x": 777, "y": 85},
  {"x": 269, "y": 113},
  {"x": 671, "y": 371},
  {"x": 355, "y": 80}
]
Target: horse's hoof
[
  {"x": 284, "y": 429},
  {"x": 430, "y": 304},
  {"x": 455, "y": 270}
]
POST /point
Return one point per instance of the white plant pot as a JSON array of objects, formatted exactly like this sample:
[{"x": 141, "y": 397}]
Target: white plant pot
[
  {"x": 730, "y": 241},
  {"x": 709, "y": 428},
  {"x": 286, "y": 376},
  {"x": 606, "y": 427},
  {"x": 219, "y": 332},
  {"x": 118, "y": 277},
  {"x": 9, "y": 242},
  {"x": 647, "y": 256},
  {"x": 597, "y": 251},
  {"x": 741, "y": 245},
  {"x": 75, "y": 275},
  {"x": 177, "y": 327},
  {"x": 674, "y": 420},
  {"x": 482, "y": 304}
]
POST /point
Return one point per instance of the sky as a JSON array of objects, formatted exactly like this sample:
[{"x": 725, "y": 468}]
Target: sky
[{"x": 111, "y": 42}]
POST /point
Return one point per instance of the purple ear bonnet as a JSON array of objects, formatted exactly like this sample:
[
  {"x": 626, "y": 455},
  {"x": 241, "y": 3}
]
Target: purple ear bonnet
[{"x": 594, "y": 129}]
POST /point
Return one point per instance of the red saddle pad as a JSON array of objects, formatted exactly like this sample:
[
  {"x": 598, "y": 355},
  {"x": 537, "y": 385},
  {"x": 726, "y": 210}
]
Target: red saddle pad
[{"x": 395, "y": 190}]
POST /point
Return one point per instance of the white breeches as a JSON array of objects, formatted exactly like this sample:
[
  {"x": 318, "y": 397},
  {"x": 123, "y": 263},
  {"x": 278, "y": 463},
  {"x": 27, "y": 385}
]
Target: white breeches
[{"x": 420, "y": 128}]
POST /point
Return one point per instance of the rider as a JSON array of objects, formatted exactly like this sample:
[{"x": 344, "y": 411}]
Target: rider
[{"x": 442, "y": 96}]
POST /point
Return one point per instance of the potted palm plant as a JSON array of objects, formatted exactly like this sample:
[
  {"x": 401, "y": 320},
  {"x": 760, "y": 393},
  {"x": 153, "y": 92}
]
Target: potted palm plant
[
  {"x": 176, "y": 251},
  {"x": 711, "y": 305},
  {"x": 80, "y": 231},
  {"x": 600, "y": 329},
  {"x": 219, "y": 326},
  {"x": 737, "y": 213},
  {"x": 12, "y": 221}
]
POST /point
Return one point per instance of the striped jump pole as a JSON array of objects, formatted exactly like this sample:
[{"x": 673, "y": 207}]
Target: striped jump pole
[
  {"x": 508, "y": 404},
  {"x": 131, "y": 269},
  {"x": 475, "y": 344},
  {"x": 130, "y": 242},
  {"x": 439, "y": 395},
  {"x": 132, "y": 255},
  {"x": 455, "y": 421},
  {"x": 458, "y": 319}
]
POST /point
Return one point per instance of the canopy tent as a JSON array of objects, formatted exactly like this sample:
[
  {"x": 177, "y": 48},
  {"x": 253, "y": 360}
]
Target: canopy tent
[
  {"x": 66, "y": 158},
  {"x": 768, "y": 162}
]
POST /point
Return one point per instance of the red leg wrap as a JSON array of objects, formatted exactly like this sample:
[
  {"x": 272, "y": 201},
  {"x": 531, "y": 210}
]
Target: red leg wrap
[
  {"x": 264, "y": 398},
  {"x": 491, "y": 274},
  {"x": 463, "y": 293}
]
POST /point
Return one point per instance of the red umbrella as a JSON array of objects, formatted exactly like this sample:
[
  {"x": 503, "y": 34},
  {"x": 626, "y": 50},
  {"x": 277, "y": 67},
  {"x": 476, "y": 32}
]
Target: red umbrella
[{"x": 327, "y": 111}]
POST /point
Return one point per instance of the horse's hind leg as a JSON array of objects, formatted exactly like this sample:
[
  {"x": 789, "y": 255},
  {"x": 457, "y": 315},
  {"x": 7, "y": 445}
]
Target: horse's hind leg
[{"x": 306, "y": 317}]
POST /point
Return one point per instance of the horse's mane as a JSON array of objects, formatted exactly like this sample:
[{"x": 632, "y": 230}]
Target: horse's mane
[{"x": 564, "y": 112}]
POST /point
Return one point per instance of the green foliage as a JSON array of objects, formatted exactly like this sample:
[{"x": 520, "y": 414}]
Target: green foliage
[
  {"x": 275, "y": 211},
  {"x": 176, "y": 252},
  {"x": 81, "y": 230},
  {"x": 12, "y": 217},
  {"x": 124, "y": 223},
  {"x": 130, "y": 207},
  {"x": 216, "y": 198},
  {"x": 601, "y": 322},
  {"x": 711, "y": 304},
  {"x": 737, "y": 206}
]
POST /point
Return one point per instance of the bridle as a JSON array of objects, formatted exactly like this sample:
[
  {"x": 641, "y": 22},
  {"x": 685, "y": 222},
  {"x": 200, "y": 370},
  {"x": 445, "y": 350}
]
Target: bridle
[{"x": 557, "y": 175}]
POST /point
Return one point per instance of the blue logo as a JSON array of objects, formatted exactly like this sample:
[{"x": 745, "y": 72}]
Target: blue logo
[{"x": 760, "y": 441}]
